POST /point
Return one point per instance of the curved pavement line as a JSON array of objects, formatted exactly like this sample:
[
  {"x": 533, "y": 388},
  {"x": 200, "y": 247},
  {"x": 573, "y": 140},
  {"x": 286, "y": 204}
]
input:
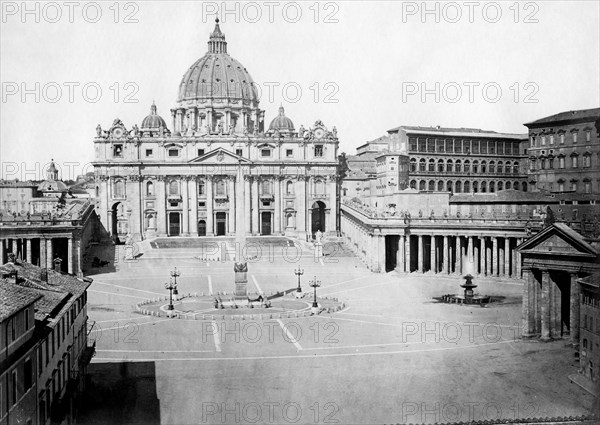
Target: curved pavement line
[{"x": 313, "y": 356}]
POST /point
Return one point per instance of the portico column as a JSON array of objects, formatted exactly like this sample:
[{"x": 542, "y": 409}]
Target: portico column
[
  {"x": 574, "y": 309},
  {"x": 494, "y": 256},
  {"x": 277, "y": 216},
  {"x": 28, "y": 248},
  {"x": 482, "y": 249},
  {"x": 507, "y": 256},
  {"x": 186, "y": 206},
  {"x": 210, "y": 227},
  {"x": 518, "y": 260},
  {"x": 400, "y": 254},
  {"x": 255, "y": 229},
  {"x": 432, "y": 265},
  {"x": 407, "y": 254},
  {"x": 232, "y": 206},
  {"x": 49, "y": 255},
  {"x": 545, "y": 307},
  {"x": 420, "y": 254},
  {"x": 247, "y": 205},
  {"x": 528, "y": 310},
  {"x": 458, "y": 264},
  {"x": 445, "y": 262},
  {"x": 70, "y": 255}
]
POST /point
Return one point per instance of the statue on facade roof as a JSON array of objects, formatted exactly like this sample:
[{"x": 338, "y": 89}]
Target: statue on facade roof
[{"x": 99, "y": 130}]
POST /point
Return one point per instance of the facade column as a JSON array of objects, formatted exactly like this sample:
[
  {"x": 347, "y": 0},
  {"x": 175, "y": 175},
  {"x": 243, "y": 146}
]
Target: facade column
[
  {"x": 301, "y": 207},
  {"x": 70, "y": 255},
  {"x": 545, "y": 307},
  {"x": 232, "y": 206},
  {"x": 247, "y": 204},
  {"x": 494, "y": 256},
  {"x": 432, "y": 257},
  {"x": 186, "y": 206},
  {"x": 49, "y": 255},
  {"x": 445, "y": 262},
  {"x": 210, "y": 215},
  {"x": 193, "y": 207},
  {"x": 28, "y": 249},
  {"x": 507, "y": 256},
  {"x": 330, "y": 218},
  {"x": 420, "y": 255},
  {"x": 574, "y": 310},
  {"x": 407, "y": 254},
  {"x": 458, "y": 264},
  {"x": 482, "y": 261},
  {"x": 255, "y": 228},
  {"x": 400, "y": 254},
  {"x": 161, "y": 207},
  {"x": 529, "y": 294},
  {"x": 277, "y": 217}
]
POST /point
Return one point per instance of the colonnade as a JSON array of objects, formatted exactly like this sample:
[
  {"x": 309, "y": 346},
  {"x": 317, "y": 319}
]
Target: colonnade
[{"x": 42, "y": 250}]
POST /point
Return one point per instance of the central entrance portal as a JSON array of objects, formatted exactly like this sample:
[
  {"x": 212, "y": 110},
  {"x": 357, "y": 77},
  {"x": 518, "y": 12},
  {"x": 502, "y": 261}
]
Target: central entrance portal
[
  {"x": 174, "y": 224},
  {"x": 221, "y": 222},
  {"x": 202, "y": 228},
  {"x": 265, "y": 223},
  {"x": 318, "y": 217}
]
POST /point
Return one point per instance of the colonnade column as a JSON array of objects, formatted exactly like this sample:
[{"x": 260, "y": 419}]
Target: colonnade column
[
  {"x": 482, "y": 249},
  {"x": 49, "y": 256},
  {"x": 1, "y": 251},
  {"x": 470, "y": 249},
  {"x": 210, "y": 227},
  {"x": 400, "y": 254},
  {"x": 407, "y": 254},
  {"x": 518, "y": 260},
  {"x": 494, "y": 256},
  {"x": 43, "y": 260},
  {"x": 420, "y": 255},
  {"x": 574, "y": 309},
  {"x": 28, "y": 248},
  {"x": 445, "y": 256},
  {"x": 70, "y": 255},
  {"x": 458, "y": 264},
  {"x": 507, "y": 256},
  {"x": 432, "y": 256}
]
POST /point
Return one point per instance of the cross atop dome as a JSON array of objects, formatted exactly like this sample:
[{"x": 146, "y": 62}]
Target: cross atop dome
[{"x": 217, "y": 43}]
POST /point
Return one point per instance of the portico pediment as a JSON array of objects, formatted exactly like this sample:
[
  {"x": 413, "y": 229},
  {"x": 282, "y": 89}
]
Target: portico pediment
[
  {"x": 220, "y": 156},
  {"x": 558, "y": 239}
]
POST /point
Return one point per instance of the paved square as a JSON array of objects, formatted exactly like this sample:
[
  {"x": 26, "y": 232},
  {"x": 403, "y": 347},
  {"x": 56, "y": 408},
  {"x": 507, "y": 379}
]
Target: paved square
[{"x": 392, "y": 355}]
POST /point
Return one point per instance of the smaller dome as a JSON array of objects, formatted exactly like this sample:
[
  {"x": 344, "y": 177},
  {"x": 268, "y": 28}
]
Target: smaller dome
[
  {"x": 52, "y": 186},
  {"x": 281, "y": 123},
  {"x": 153, "y": 121}
]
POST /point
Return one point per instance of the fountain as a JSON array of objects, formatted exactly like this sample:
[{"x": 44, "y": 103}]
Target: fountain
[{"x": 468, "y": 296}]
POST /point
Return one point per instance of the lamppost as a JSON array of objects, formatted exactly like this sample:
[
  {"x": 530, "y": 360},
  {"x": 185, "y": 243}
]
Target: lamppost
[
  {"x": 170, "y": 287},
  {"x": 315, "y": 284},
  {"x": 175, "y": 274},
  {"x": 299, "y": 272}
]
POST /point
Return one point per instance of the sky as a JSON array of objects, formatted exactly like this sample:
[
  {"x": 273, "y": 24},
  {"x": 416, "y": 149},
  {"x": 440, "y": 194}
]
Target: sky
[{"x": 363, "y": 67}]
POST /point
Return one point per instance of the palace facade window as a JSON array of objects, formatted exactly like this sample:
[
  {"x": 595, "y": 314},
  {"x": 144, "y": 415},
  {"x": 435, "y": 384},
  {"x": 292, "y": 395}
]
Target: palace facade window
[
  {"x": 118, "y": 151},
  {"x": 289, "y": 188},
  {"x": 173, "y": 153},
  {"x": 413, "y": 164},
  {"x": 574, "y": 161},
  {"x": 174, "y": 188},
  {"x": 149, "y": 189},
  {"x": 318, "y": 151},
  {"x": 119, "y": 189},
  {"x": 201, "y": 188},
  {"x": 221, "y": 188}
]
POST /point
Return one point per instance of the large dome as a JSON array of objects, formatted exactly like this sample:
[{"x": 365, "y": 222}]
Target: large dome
[
  {"x": 153, "y": 121},
  {"x": 216, "y": 75}
]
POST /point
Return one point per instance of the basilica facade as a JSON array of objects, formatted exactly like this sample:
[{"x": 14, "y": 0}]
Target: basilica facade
[{"x": 152, "y": 181}]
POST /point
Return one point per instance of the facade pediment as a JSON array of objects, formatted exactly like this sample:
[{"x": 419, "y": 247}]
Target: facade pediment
[
  {"x": 558, "y": 239},
  {"x": 219, "y": 156}
]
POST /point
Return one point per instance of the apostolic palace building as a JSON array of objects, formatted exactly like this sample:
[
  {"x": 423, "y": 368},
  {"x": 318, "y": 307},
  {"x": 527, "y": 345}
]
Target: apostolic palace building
[{"x": 179, "y": 179}]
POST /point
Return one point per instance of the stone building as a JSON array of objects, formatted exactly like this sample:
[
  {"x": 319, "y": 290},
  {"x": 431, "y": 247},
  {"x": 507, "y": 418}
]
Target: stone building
[
  {"x": 44, "y": 342},
  {"x": 152, "y": 181},
  {"x": 564, "y": 152},
  {"x": 589, "y": 342},
  {"x": 461, "y": 160}
]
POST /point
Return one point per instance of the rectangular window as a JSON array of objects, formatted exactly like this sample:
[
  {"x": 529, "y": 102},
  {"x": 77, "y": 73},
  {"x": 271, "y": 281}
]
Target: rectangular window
[
  {"x": 588, "y": 136},
  {"x": 117, "y": 151},
  {"x": 574, "y": 162},
  {"x": 148, "y": 153},
  {"x": 492, "y": 147},
  {"x": 28, "y": 374},
  {"x": 412, "y": 144},
  {"x": 422, "y": 145},
  {"x": 202, "y": 204},
  {"x": 289, "y": 153},
  {"x": 319, "y": 150},
  {"x": 543, "y": 140},
  {"x": 200, "y": 152},
  {"x": 265, "y": 153},
  {"x": 574, "y": 138},
  {"x": 561, "y": 162},
  {"x": 173, "y": 152},
  {"x": 551, "y": 139},
  {"x": 562, "y": 139},
  {"x": 239, "y": 152},
  {"x": 475, "y": 146}
]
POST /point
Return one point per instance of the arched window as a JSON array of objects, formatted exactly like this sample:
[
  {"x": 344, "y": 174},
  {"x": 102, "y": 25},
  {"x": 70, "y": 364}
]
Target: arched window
[
  {"x": 289, "y": 188},
  {"x": 413, "y": 164},
  {"x": 449, "y": 187},
  {"x": 413, "y": 184},
  {"x": 119, "y": 189},
  {"x": 467, "y": 167},
  {"x": 492, "y": 167},
  {"x": 449, "y": 165},
  {"x": 149, "y": 189},
  {"x": 467, "y": 187},
  {"x": 500, "y": 186},
  {"x": 483, "y": 167},
  {"x": 431, "y": 165},
  {"x": 515, "y": 167},
  {"x": 483, "y": 187},
  {"x": 516, "y": 186},
  {"x": 431, "y": 185},
  {"x": 422, "y": 165},
  {"x": 221, "y": 188},
  {"x": 441, "y": 166},
  {"x": 524, "y": 187},
  {"x": 475, "y": 166},
  {"x": 422, "y": 184},
  {"x": 440, "y": 186},
  {"x": 458, "y": 187},
  {"x": 475, "y": 187},
  {"x": 457, "y": 166},
  {"x": 174, "y": 187},
  {"x": 507, "y": 168},
  {"x": 500, "y": 165},
  {"x": 492, "y": 187}
]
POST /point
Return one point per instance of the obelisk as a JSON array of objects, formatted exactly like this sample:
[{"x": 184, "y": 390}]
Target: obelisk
[{"x": 240, "y": 267}]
